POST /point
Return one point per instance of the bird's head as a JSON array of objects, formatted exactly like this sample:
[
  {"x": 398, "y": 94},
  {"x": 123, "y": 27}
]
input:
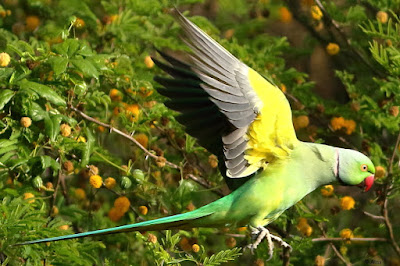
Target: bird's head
[{"x": 354, "y": 168}]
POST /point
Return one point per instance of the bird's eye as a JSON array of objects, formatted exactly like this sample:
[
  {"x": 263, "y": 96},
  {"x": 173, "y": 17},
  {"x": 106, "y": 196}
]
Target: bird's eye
[{"x": 364, "y": 167}]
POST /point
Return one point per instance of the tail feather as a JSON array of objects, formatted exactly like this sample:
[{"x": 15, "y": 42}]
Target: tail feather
[{"x": 171, "y": 222}]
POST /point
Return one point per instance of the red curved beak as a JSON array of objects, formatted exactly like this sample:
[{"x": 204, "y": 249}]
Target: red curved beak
[{"x": 368, "y": 182}]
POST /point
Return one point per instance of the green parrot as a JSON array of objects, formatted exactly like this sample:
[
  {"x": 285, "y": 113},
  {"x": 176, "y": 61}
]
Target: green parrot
[{"x": 246, "y": 121}]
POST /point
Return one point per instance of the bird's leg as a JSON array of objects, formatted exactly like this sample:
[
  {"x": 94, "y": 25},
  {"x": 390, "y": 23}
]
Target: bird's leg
[{"x": 259, "y": 233}]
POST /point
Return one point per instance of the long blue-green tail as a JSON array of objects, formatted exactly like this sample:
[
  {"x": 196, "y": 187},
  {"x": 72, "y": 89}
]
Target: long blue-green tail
[{"x": 176, "y": 221}]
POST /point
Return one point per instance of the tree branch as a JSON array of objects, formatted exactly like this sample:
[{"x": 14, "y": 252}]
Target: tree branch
[
  {"x": 196, "y": 179},
  {"x": 361, "y": 239}
]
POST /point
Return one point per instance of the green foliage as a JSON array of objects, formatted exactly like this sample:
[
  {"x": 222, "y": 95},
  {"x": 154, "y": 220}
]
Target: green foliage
[{"x": 81, "y": 69}]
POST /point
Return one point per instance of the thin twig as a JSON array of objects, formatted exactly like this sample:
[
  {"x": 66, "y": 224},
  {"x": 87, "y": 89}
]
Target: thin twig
[
  {"x": 373, "y": 216},
  {"x": 330, "y": 21},
  {"x": 387, "y": 190},
  {"x": 361, "y": 239},
  {"x": 147, "y": 152}
]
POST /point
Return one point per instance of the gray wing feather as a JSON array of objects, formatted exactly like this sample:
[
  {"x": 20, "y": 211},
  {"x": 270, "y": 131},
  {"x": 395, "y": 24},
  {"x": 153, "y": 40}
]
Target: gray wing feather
[{"x": 225, "y": 79}]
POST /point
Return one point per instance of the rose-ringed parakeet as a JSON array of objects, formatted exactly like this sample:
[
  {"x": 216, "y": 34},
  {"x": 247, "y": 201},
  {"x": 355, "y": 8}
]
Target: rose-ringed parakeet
[{"x": 246, "y": 121}]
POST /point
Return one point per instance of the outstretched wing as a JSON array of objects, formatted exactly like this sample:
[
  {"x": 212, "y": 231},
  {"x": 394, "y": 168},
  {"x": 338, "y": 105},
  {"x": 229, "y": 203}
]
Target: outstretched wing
[{"x": 232, "y": 110}]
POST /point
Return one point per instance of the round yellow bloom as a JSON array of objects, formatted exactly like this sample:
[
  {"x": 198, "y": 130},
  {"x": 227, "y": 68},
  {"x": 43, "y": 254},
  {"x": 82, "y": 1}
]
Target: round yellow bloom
[
  {"x": 148, "y": 62},
  {"x": 230, "y": 242},
  {"x": 327, "y": 190},
  {"x": 300, "y": 122},
  {"x": 79, "y": 23},
  {"x": 337, "y": 123},
  {"x": 394, "y": 111},
  {"x": 115, "y": 95},
  {"x": 32, "y": 22},
  {"x": 350, "y": 126},
  {"x": 242, "y": 229},
  {"x": 285, "y": 15},
  {"x": 319, "y": 261},
  {"x": 122, "y": 203},
  {"x": 304, "y": 227},
  {"x": 81, "y": 139},
  {"x": 152, "y": 238},
  {"x": 64, "y": 227},
  {"x": 132, "y": 111},
  {"x": 96, "y": 181},
  {"x": 80, "y": 194},
  {"x": 29, "y": 195},
  {"x": 332, "y": 48},
  {"x": 316, "y": 13},
  {"x": 65, "y": 130},
  {"x": 142, "y": 139},
  {"x": 213, "y": 161},
  {"x": 143, "y": 210},
  {"x": 4, "y": 59},
  {"x": 26, "y": 122},
  {"x": 380, "y": 172},
  {"x": 346, "y": 233},
  {"x": 195, "y": 248},
  {"x": 54, "y": 211},
  {"x": 115, "y": 214},
  {"x": 347, "y": 203},
  {"x": 110, "y": 183},
  {"x": 382, "y": 17}
]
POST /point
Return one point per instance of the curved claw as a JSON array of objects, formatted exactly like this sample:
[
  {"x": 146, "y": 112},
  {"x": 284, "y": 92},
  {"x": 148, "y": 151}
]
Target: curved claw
[{"x": 259, "y": 233}]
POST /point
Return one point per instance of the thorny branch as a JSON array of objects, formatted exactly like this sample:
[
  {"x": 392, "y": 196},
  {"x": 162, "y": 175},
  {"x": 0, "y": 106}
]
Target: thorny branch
[
  {"x": 198, "y": 180},
  {"x": 360, "y": 239}
]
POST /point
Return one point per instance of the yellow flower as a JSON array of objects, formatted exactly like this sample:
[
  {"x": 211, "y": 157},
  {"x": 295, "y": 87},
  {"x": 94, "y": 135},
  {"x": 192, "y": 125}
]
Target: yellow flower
[
  {"x": 304, "y": 227},
  {"x": 195, "y": 248},
  {"x": 152, "y": 238},
  {"x": 350, "y": 126},
  {"x": 229, "y": 33},
  {"x": 80, "y": 139},
  {"x": 347, "y": 203},
  {"x": 213, "y": 161},
  {"x": 65, "y": 130},
  {"x": 380, "y": 172},
  {"x": 79, "y": 23},
  {"x": 142, "y": 139},
  {"x": 319, "y": 261},
  {"x": 29, "y": 195},
  {"x": 143, "y": 210},
  {"x": 26, "y": 122},
  {"x": 115, "y": 95},
  {"x": 283, "y": 88},
  {"x": 4, "y": 59},
  {"x": 327, "y": 190},
  {"x": 316, "y": 13},
  {"x": 115, "y": 214},
  {"x": 242, "y": 229},
  {"x": 346, "y": 233},
  {"x": 133, "y": 111},
  {"x": 230, "y": 242},
  {"x": 54, "y": 211},
  {"x": 382, "y": 17},
  {"x": 110, "y": 183},
  {"x": 285, "y": 15},
  {"x": 122, "y": 204},
  {"x": 64, "y": 227},
  {"x": 148, "y": 62},
  {"x": 96, "y": 181},
  {"x": 337, "y": 123},
  {"x": 80, "y": 194},
  {"x": 332, "y": 48},
  {"x": 68, "y": 166},
  {"x": 394, "y": 111},
  {"x": 32, "y": 22},
  {"x": 301, "y": 122}
]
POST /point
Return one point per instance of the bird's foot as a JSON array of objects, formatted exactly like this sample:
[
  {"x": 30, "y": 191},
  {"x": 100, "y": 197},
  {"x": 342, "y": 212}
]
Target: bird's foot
[{"x": 259, "y": 233}]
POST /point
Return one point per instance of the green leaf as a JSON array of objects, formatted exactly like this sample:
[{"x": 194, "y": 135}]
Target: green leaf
[
  {"x": 5, "y": 97},
  {"x": 36, "y": 112},
  {"x": 44, "y": 91},
  {"x": 58, "y": 64},
  {"x": 5, "y": 73},
  {"x": 68, "y": 48},
  {"x": 52, "y": 126},
  {"x": 89, "y": 147},
  {"x": 87, "y": 68},
  {"x": 47, "y": 162}
]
